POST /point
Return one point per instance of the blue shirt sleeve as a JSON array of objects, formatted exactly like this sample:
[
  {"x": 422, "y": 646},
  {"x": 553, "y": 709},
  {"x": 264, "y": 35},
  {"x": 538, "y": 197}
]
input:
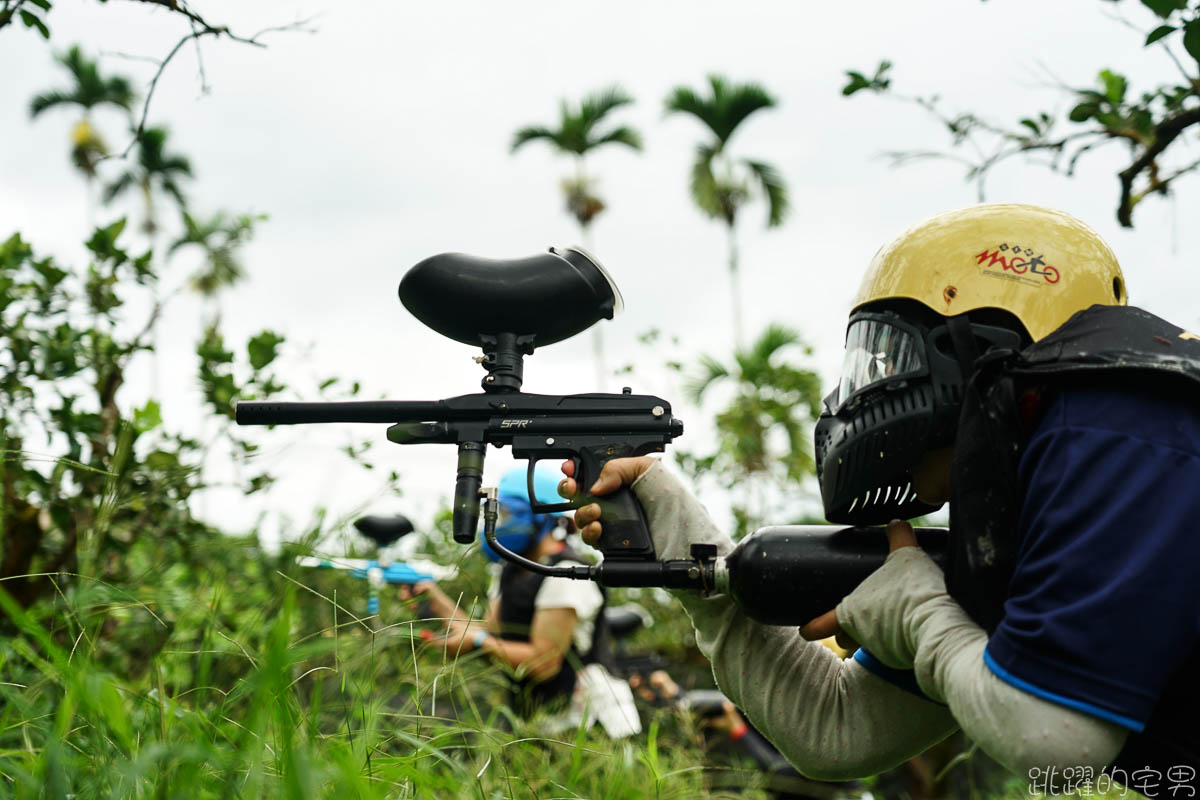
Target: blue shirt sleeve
[
  {"x": 905, "y": 679},
  {"x": 1104, "y": 604}
]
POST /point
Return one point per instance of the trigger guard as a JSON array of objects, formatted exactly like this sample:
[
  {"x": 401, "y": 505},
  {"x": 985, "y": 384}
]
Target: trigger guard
[{"x": 549, "y": 508}]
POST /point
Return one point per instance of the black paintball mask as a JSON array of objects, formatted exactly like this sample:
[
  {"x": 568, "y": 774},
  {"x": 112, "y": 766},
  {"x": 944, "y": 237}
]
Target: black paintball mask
[{"x": 899, "y": 396}]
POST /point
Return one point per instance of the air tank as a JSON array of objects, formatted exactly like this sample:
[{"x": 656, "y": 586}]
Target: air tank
[{"x": 790, "y": 574}]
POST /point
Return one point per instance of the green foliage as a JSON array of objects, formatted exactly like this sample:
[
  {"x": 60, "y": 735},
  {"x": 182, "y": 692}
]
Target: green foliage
[
  {"x": 85, "y": 476},
  {"x": 1148, "y": 123},
  {"x": 763, "y": 430},
  {"x": 90, "y": 88},
  {"x": 32, "y": 20},
  {"x": 578, "y": 130},
  {"x": 1165, "y": 8},
  {"x": 720, "y": 185},
  {"x": 219, "y": 237},
  {"x": 879, "y": 82},
  {"x": 239, "y": 674},
  {"x": 579, "y": 133},
  {"x": 12, "y": 9},
  {"x": 155, "y": 170}
]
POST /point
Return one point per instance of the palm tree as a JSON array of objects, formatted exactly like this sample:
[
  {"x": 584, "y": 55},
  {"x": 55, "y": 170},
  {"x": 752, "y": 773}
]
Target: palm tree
[
  {"x": 90, "y": 89},
  {"x": 721, "y": 184},
  {"x": 579, "y": 133},
  {"x": 772, "y": 400},
  {"x": 155, "y": 170}
]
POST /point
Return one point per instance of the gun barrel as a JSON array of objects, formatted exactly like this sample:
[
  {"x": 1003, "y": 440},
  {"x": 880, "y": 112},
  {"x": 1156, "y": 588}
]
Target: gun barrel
[{"x": 268, "y": 413}]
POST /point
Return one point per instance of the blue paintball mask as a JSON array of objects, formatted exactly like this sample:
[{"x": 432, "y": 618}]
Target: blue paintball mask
[{"x": 518, "y": 528}]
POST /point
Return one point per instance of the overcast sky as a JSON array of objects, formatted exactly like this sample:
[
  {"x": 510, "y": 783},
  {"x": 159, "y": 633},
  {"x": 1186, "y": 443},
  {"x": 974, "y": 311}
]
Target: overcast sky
[{"x": 382, "y": 138}]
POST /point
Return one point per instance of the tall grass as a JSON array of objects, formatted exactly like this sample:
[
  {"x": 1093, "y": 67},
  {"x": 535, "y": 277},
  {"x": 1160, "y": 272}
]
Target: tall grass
[{"x": 244, "y": 685}]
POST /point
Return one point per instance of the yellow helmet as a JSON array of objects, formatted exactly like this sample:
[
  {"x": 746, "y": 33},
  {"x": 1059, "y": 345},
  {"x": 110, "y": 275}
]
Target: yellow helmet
[
  {"x": 1038, "y": 264},
  {"x": 941, "y": 294}
]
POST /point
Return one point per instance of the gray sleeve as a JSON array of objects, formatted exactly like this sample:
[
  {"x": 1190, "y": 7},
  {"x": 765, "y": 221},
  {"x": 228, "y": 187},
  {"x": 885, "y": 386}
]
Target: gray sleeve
[
  {"x": 904, "y": 617},
  {"x": 831, "y": 718}
]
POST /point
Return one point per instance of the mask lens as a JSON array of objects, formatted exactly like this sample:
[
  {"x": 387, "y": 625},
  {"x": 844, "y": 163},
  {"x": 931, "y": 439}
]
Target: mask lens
[{"x": 876, "y": 351}]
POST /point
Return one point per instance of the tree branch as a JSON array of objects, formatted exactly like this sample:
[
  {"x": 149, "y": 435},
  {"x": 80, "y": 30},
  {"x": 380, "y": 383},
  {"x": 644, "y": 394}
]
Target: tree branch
[
  {"x": 200, "y": 28},
  {"x": 1164, "y": 134}
]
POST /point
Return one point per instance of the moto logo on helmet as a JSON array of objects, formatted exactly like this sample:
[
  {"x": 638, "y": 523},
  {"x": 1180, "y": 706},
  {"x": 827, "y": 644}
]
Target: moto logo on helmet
[{"x": 1020, "y": 261}]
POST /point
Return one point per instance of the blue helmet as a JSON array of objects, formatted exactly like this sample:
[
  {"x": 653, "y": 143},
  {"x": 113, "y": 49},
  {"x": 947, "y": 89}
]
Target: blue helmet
[{"x": 518, "y": 528}]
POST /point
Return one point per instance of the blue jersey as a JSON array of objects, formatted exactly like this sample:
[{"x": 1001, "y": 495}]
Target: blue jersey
[
  {"x": 1104, "y": 605},
  {"x": 1103, "y": 609}
]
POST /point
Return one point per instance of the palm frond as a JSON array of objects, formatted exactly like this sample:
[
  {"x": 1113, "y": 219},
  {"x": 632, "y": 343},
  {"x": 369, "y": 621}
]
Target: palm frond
[
  {"x": 576, "y": 132},
  {"x": 151, "y": 144},
  {"x": 756, "y": 363},
  {"x": 532, "y": 133},
  {"x": 798, "y": 460},
  {"x": 118, "y": 187},
  {"x": 711, "y": 371},
  {"x": 118, "y": 91},
  {"x": 622, "y": 135},
  {"x": 774, "y": 188},
  {"x": 736, "y": 102},
  {"x": 597, "y": 105},
  {"x": 704, "y": 187},
  {"x": 91, "y": 88},
  {"x": 684, "y": 100},
  {"x": 55, "y": 97},
  {"x": 176, "y": 165},
  {"x": 192, "y": 233},
  {"x": 172, "y": 188},
  {"x": 773, "y": 339}
]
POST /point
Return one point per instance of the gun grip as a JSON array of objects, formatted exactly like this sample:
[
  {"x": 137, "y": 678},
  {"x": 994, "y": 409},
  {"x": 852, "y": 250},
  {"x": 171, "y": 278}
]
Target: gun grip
[{"x": 624, "y": 536}]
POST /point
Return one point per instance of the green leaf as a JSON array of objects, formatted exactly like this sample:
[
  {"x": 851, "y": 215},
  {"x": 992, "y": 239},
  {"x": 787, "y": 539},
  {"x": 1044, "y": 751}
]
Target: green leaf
[
  {"x": 1033, "y": 126},
  {"x": 104, "y": 240},
  {"x": 263, "y": 348},
  {"x": 148, "y": 417},
  {"x": 1191, "y": 38},
  {"x": 1164, "y": 8},
  {"x": 1083, "y": 112},
  {"x": 857, "y": 82},
  {"x": 44, "y": 5},
  {"x": 31, "y": 21},
  {"x": 1114, "y": 86},
  {"x": 1158, "y": 33}
]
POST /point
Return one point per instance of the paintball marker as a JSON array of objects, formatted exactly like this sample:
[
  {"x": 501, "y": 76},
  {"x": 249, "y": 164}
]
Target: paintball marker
[
  {"x": 507, "y": 308},
  {"x": 781, "y": 576},
  {"x": 380, "y": 571}
]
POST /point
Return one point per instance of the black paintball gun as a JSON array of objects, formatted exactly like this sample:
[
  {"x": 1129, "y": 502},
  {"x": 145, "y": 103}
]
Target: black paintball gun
[{"x": 509, "y": 308}]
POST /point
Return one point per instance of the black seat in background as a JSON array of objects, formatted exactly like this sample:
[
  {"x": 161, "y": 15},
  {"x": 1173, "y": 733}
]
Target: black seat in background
[
  {"x": 384, "y": 530},
  {"x": 624, "y": 620}
]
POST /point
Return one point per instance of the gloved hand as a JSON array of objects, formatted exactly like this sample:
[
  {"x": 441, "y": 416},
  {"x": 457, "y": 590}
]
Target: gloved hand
[
  {"x": 676, "y": 518},
  {"x": 885, "y": 612}
]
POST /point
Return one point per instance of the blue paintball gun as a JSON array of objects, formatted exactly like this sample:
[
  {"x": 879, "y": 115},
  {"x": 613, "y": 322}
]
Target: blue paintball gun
[{"x": 382, "y": 570}]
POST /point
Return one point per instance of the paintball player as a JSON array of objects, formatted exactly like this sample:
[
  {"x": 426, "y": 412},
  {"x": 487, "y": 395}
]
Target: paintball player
[
  {"x": 542, "y": 628},
  {"x": 992, "y": 361}
]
